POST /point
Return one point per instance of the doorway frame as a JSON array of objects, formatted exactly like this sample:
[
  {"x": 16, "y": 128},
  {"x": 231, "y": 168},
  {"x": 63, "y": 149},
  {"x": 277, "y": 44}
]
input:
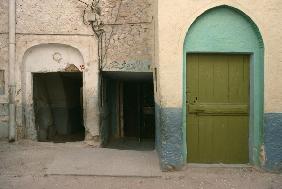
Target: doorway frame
[
  {"x": 31, "y": 118},
  {"x": 117, "y": 124},
  {"x": 256, "y": 84},
  {"x": 45, "y": 66},
  {"x": 249, "y": 102}
]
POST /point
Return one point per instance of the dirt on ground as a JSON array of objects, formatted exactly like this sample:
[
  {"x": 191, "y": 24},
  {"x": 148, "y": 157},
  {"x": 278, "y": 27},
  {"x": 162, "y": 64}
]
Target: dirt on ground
[{"x": 23, "y": 166}]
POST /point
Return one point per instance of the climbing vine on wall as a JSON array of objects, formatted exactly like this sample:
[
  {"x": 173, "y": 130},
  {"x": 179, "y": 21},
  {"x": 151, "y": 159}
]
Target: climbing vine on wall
[
  {"x": 92, "y": 16},
  {"x": 124, "y": 32}
]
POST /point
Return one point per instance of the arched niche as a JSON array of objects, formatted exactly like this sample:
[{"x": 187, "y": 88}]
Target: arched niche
[
  {"x": 225, "y": 29},
  {"x": 44, "y": 58}
]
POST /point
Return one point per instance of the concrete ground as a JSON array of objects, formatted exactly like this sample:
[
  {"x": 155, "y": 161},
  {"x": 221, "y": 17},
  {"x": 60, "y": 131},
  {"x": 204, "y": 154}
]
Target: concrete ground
[
  {"x": 25, "y": 165},
  {"x": 105, "y": 162}
]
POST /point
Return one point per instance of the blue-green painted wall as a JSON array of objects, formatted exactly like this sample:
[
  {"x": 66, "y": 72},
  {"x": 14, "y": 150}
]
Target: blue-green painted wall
[
  {"x": 227, "y": 30},
  {"x": 273, "y": 141},
  {"x": 169, "y": 138}
]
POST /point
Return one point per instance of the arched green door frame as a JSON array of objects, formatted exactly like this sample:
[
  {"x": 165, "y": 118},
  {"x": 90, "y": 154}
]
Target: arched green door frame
[{"x": 225, "y": 29}]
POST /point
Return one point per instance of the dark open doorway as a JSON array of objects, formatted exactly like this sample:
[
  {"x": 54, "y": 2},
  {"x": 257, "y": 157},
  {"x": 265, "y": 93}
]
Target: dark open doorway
[
  {"x": 129, "y": 111},
  {"x": 138, "y": 108},
  {"x": 58, "y": 107}
]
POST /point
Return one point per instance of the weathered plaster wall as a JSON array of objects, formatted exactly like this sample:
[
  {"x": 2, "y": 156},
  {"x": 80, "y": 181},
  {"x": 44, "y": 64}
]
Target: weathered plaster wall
[
  {"x": 130, "y": 48},
  {"x": 128, "y": 43},
  {"x": 4, "y": 16},
  {"x": 51, "y": 17},
  {"x": 84, "y": 47},
  {"x": 174, "y": 18},
  {"x": 4, "y": 66},
  {"x": 57, "y": 53},
  {"x": 129, "y": 35},
  {"x": 58, "y": 22}
]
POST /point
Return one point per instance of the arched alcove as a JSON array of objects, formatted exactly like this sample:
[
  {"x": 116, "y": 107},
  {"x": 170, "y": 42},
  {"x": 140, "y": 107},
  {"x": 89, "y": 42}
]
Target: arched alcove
[
  {"x": 227, "y": 30},
  {"x": 51, "y": 82}
]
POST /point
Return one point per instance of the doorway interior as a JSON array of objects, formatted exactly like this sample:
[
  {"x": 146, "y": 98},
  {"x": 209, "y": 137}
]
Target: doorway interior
[
  {"x": 58, "y": 106},
  {"x": 129, "y": 111}
]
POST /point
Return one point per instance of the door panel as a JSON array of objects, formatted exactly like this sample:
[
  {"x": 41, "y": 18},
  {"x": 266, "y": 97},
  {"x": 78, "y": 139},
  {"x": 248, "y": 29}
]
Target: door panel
[
  {"x": 193, "y": 136},
  {"x": 217, "y": 108}
]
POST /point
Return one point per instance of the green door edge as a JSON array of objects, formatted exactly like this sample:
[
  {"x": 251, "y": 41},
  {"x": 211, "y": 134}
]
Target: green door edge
[{"x": 256, "y": 78}]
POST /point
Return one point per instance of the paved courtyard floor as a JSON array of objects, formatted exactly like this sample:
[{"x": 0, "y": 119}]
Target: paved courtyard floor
[{"x": 33, "y": 165}]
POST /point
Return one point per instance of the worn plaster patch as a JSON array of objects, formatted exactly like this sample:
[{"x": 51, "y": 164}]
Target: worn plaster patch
[{"x": 71, "y": 68}]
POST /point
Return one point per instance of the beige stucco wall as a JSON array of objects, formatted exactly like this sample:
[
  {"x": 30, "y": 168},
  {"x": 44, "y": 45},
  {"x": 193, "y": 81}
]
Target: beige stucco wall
[{"x": 174, "y": 19}]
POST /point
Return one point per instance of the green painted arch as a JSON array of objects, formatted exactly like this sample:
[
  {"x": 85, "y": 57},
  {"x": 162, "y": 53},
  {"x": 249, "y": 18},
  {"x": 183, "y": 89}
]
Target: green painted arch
[{"x": 225, "y": 29}]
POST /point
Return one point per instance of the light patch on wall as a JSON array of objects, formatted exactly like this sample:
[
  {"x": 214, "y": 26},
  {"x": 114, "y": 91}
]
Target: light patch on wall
[{"x": 2, "y": 82}]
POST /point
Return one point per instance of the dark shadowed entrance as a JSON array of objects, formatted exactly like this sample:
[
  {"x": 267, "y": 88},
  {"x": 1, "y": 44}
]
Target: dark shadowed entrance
[
  {"x": 138, "y": 102},
  {"x": 57, "y": 99},
  {"x": 128, "y": 120}
]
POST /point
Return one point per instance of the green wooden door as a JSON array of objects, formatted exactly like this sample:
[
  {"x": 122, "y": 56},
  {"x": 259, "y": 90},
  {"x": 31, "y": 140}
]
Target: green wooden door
[{"x": 217, "y": 108}]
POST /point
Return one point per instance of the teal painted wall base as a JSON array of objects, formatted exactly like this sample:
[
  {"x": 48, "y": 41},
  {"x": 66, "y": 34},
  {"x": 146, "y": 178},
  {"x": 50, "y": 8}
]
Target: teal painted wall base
[
  {"x": 169, "y": 138},
  {"x": 273, "y": 141}
]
